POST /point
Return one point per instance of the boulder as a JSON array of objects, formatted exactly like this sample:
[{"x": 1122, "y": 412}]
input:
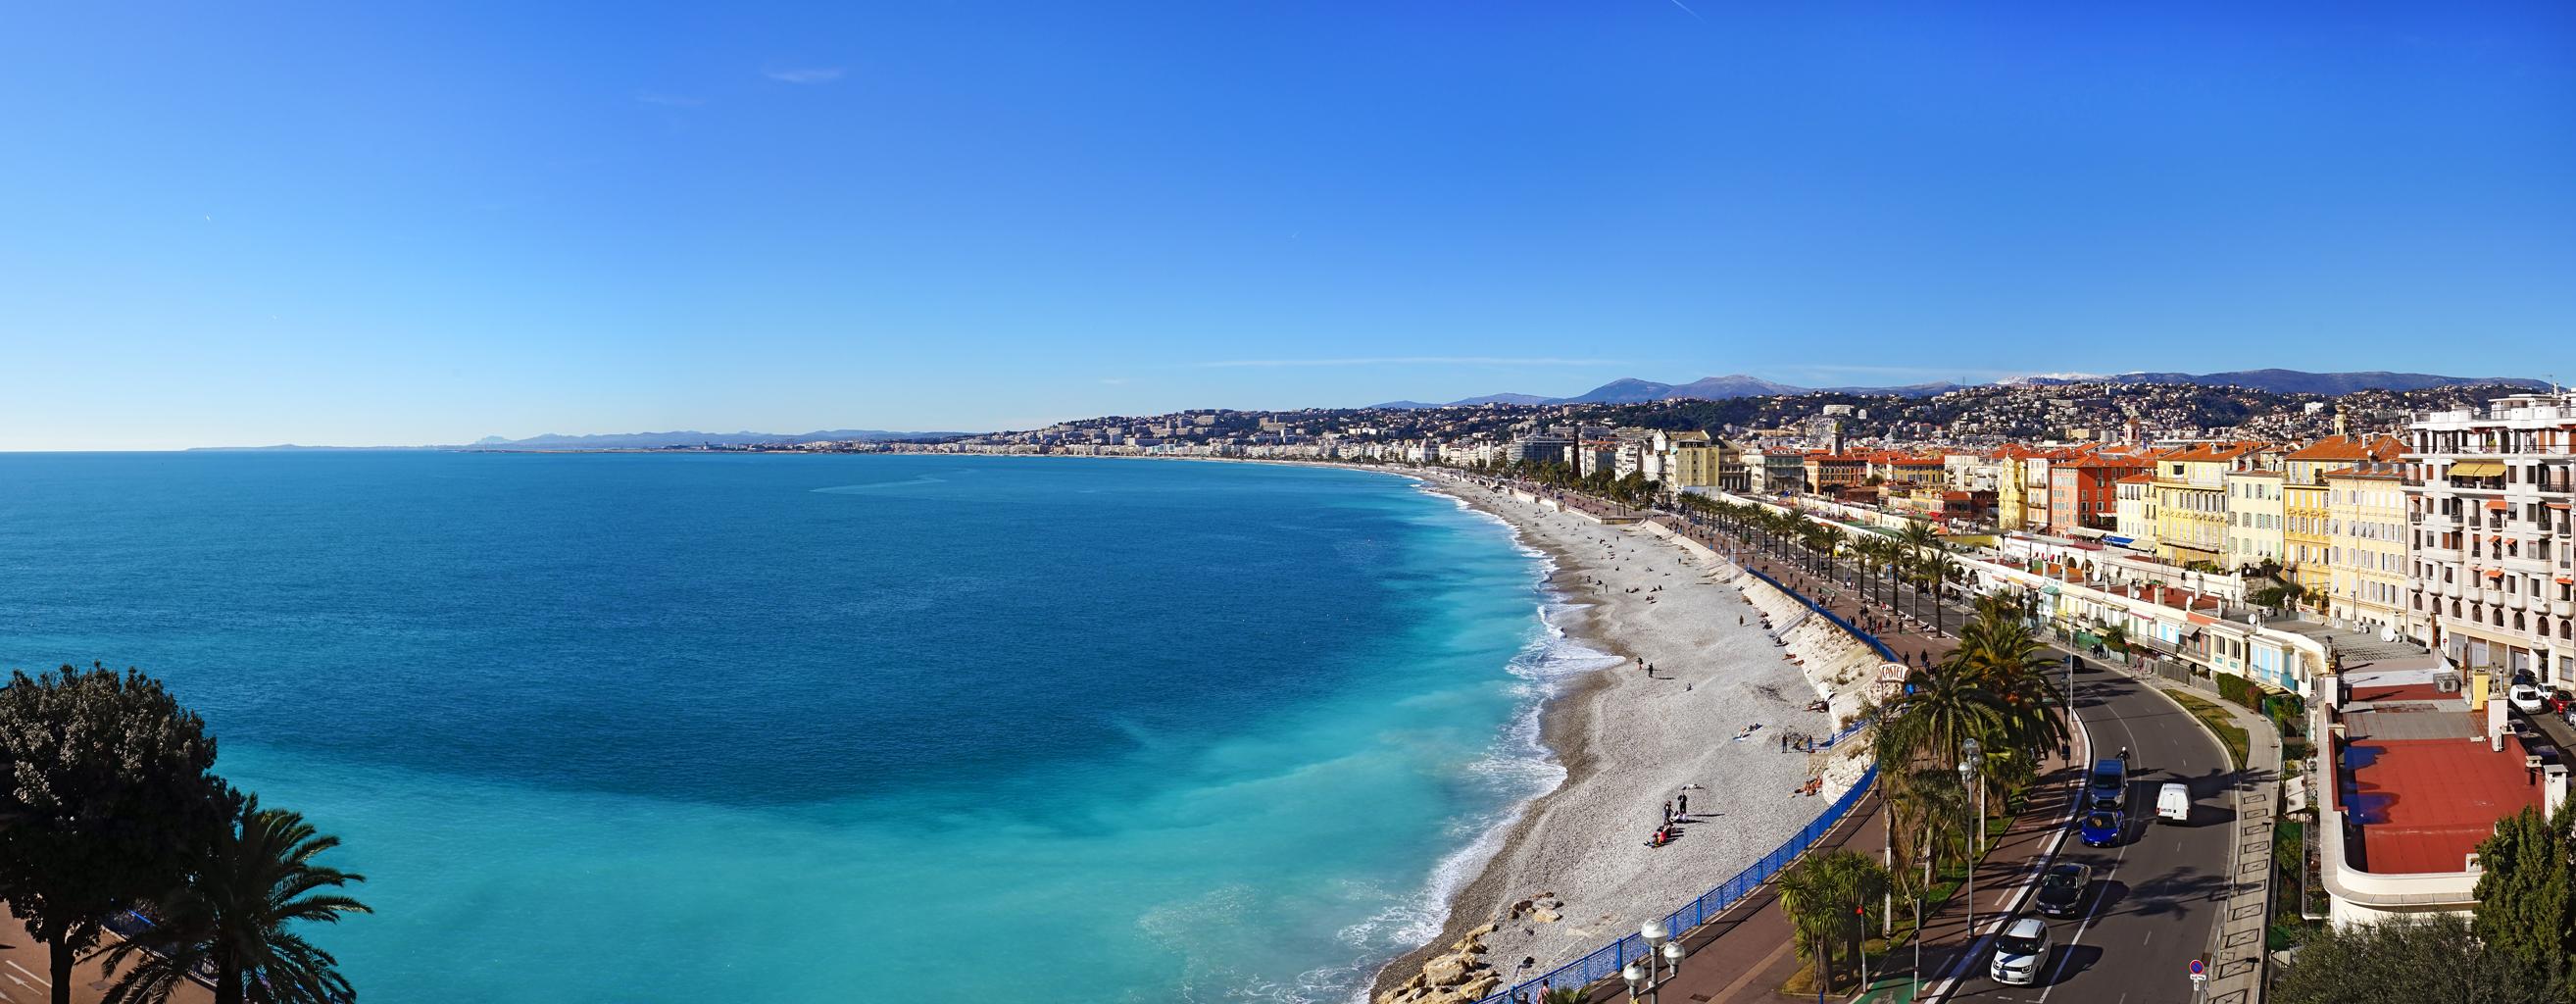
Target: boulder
[
  {"x": 1445, "y": 971},
  {"x": 1480, "y": 932},
  {"x": 1477, "y": 988},
  {"x": 1544, "y": 915}
]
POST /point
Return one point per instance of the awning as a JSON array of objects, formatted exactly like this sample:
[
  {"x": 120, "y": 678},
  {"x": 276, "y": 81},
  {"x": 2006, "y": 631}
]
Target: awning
[
  {"x": 2565, "y": 581},
  {"x": 2495, "y": 573},
  {"x": 2477, "y": 469},
  {"x": 2499, "y": 505}
]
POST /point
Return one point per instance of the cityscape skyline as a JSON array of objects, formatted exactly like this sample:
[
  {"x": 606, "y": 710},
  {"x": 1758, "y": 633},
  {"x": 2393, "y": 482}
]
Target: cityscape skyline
[{"x": 430, "y": 226}]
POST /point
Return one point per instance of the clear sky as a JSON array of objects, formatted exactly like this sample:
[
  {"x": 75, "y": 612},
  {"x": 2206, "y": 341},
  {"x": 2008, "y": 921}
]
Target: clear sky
[{"x": 368, "y": 223}]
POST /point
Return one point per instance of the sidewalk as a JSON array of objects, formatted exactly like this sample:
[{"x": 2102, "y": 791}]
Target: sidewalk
[{"x": 2236, "y": 969}]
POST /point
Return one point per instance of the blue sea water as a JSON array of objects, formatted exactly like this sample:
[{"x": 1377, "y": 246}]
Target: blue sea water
[{"x": 812, "y": 728}]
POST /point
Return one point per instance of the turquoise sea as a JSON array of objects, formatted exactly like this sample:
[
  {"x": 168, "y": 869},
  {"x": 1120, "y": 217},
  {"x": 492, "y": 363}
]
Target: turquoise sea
[{"x": 631, "y": 727}]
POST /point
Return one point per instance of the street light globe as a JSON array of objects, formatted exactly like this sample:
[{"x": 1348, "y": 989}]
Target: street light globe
[
  {"x": 1632, "y": 974},
  {"x": 1673, "y": 952},
  {"x": 1969, "y": 750},
  {"x": 1653, "y": 931}
]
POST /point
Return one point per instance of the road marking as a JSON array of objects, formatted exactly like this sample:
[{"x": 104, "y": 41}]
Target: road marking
[{"x": 13, "y": 964}]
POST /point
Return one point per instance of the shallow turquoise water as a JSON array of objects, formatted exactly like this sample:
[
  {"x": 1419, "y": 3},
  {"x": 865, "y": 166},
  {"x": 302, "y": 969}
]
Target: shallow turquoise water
[{"x": 777, "y": 728}]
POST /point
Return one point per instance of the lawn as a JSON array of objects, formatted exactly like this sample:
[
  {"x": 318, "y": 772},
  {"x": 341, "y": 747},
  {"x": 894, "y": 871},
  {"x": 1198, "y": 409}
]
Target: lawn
[{"x": 2218, "y": 721}]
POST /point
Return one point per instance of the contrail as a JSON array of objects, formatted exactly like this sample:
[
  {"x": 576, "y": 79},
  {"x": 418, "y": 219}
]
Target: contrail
[{"x": 1686, "y": 9}]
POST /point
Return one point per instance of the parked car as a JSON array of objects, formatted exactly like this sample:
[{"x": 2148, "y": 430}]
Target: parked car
[
  {"x": 2061, "y": 891},
  {"x": 2109, "y": 786},
  {"x": 2526, "y": 699},
  {"x": 2020, "y": 952},
  {"x": 2100, "y": 828},
  {"x": 2173, "y": 803}
]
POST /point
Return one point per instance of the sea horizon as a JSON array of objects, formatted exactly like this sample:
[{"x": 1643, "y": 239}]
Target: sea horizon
[{"x": 780, "y": 727}]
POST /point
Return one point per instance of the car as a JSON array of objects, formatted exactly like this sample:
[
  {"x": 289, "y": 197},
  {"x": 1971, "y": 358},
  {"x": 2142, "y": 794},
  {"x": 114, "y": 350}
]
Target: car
[
  {"x": 2173, "y": 802},
  {"x": 2100, "y": 828},
  {"x": 2020, "y": 951},
  {"x": 2062, "y": 888},
  {"x": 2526, "y": 699},
  {"x": 2108, "y": 786}
]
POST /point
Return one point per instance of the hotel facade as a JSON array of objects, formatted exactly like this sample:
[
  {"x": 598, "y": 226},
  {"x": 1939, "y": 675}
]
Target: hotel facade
[{"x": 2491, "y": 584}]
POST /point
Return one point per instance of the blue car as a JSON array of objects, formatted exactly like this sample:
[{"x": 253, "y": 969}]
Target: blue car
[{"x": 2101, "y": 828}]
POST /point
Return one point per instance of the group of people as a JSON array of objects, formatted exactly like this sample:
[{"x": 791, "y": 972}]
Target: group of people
[{"x": 1676, "y": 810}]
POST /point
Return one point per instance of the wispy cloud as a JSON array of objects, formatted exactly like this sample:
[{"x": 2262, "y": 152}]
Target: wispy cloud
[
  {"x": 1686, "y": 9},
  {"x": 669, "y": 100},
  {"x": 1410, "y": 361},
  {"x": 804, "y": 74}
]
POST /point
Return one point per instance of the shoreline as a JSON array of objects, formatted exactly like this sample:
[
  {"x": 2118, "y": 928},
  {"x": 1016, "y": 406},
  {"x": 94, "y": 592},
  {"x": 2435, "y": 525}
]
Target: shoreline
[{"x": 1571, "y": 871}]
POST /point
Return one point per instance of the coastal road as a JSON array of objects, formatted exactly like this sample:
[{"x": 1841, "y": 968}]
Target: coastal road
[{"x": 2157, "y": 894}]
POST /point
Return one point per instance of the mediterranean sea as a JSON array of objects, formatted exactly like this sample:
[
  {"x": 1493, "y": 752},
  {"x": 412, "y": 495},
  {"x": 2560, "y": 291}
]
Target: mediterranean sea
[{"x": 688, "y": 727}]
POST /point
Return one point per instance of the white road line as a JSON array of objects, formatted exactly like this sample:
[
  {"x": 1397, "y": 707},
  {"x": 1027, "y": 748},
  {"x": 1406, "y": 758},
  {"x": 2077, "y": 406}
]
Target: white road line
[
  {"x": 2089, "y": 917},
  {"x": 13, "y": 964}
]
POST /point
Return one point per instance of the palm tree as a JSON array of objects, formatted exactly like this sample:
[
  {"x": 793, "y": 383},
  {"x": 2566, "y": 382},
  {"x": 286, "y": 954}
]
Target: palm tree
[
  {"x": 1833, "y": 538},
  {"x": 1807, "y": 895},
  {"x": 1857, "y": 883},
  {"x": 255, "y": 882}
]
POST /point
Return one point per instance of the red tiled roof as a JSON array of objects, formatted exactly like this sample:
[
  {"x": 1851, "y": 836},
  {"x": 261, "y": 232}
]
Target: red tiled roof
[{"x": 2425, "y": 804}]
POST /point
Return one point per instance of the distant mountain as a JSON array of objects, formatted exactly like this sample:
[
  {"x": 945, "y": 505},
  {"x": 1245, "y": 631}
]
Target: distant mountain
[
  {"x": 659, "y": 440},
  {"x": 1634, "y": 391}
]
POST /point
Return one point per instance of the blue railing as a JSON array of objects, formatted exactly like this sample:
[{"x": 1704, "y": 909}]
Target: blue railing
[
  {"x": 1848, "y": 628},
  {"x": 1604, "y": 962}
]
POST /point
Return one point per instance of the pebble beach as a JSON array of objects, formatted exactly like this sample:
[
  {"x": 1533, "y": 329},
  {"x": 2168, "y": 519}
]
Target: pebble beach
[{"x": 1576, "y": 870}]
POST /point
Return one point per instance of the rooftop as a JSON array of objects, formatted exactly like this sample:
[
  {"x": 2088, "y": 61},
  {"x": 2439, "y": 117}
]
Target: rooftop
[{"x": 2424, "y": 805}]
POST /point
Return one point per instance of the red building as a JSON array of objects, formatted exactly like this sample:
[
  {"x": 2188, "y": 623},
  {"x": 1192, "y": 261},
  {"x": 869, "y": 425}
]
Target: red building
[{"x": 2085, "y": 492}]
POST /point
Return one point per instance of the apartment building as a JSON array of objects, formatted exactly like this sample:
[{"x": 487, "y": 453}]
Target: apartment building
[
  {"x": 2191, "y": 501},
  {"x": 2136, "y": 516},
  {"x": 1827, "y": 471},
  {"x": 2366, "y": 554},
  {"x": 2083, "y": 494},
  {"x": 2254, "y": 515},
  {"x": 2492, "y": 585},
  {"x": 2305, "y": 538}
]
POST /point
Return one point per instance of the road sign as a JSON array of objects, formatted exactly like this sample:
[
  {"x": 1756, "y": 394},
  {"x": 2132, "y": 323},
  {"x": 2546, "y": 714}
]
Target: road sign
[{"x": 2198, "y": 969}]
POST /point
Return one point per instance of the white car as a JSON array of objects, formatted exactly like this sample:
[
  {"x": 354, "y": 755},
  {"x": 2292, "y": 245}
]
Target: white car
[
  {"x": 2020, "y": 951},
  {"x": 2526, "y": 698}
]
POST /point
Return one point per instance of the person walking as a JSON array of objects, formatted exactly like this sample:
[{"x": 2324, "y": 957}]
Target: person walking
[
  {"x": 1681, "y": 804},
  {"x": 1668, "y": 812}
]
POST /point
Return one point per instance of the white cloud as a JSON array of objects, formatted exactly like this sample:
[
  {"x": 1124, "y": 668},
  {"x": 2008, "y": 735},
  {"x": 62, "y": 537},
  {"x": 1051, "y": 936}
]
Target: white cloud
[
  {"x": 804, "y": 75},
  {"x": 1410, "y": 361}
]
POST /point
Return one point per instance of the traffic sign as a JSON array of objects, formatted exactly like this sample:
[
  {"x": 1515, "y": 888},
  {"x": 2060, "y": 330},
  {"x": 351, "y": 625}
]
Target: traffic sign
[{"x": 2196, "y": 967}]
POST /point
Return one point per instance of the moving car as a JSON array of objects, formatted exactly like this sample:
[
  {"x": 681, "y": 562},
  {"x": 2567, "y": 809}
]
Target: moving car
[
  {"x": 2108, "y": 787},
  {"x": 2062, "y": 889},
  {"x": 2100, "y": 828},
  {"x": 2019, "y": 952},
  {"x": 2173, "y": 802},
  {"x": 2526, "y": 699}
]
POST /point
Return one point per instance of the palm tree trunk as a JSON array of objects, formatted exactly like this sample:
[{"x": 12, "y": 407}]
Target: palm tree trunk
[
  {"x": 228, "y": 979},
  {"x": 59, "y": 958}
]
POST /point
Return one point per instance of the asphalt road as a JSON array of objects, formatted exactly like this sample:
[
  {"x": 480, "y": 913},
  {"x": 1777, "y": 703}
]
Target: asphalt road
[{"x": 2156, "y": 894}]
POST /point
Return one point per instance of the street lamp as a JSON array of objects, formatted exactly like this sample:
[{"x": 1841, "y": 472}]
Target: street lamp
[
  {"x": 1643, "y": 976},
  {"x": 1972, "y": 757}
]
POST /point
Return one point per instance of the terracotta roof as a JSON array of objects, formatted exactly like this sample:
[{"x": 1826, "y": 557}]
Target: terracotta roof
[
  {"x": 2387, "y": 474},
  {"x": 2350, "y": 448}
]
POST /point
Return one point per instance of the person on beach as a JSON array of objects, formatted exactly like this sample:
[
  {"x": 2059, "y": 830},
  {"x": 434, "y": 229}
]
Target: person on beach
[
  {"x": 1681, "y": 804},
  {"x": 1668, "y": 812}
]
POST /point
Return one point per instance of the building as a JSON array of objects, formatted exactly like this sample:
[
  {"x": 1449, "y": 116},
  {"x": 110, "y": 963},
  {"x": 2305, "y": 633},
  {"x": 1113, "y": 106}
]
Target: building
[
  {"x": 2487, "y": 506},
  {"x": 1828, "y": 473},
  {"x": 2366, "y": 528},
  {"x": 1540, "y": 450},
  {"x": 2254, "y": 513},
  {"x": 2136, "y": 524},
  {"x": 1689, "y": 459},
  {"x": 2191, "y": 501},
  {"x": 2305, "y": 540},
  {"x": 2010, "y": 482},
  {"x": 2083, "y": 494}
]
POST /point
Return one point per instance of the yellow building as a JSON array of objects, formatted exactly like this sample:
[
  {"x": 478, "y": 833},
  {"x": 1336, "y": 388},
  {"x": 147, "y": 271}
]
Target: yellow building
[
  {"x": 2012, "y": 484},
  {"x": 2306, "y": 515},
  {"x": 2190, "y": 493},
  {"x": 2366, "y": 520},
  {"x": 2254, "y": 514},
  {"x": 1691, "y": 459}
]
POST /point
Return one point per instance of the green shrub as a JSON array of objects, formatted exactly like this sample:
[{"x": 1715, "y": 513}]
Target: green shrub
[{"x": 2237, "y": 690}]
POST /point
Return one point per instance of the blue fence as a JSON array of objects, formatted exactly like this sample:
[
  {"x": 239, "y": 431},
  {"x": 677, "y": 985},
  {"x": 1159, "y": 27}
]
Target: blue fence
[
  {"x": 1875, "y": 645},
  {"x": 1604, "y": 962}
]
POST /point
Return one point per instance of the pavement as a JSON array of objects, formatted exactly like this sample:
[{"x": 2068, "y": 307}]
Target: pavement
[{"x": 24, "y": 969}]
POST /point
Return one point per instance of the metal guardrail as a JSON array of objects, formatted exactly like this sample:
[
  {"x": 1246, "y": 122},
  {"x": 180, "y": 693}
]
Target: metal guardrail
[
  {"x": 1605, "y": 962},
  {"x": 1875, "y": 645}
]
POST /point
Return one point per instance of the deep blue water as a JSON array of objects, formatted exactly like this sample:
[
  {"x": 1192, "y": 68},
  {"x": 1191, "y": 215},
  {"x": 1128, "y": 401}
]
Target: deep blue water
[{"x": 788, "y": 728}]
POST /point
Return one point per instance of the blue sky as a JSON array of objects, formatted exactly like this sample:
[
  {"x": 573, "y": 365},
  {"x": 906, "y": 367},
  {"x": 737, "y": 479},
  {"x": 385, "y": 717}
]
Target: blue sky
[{"x": 354, "y": 224}]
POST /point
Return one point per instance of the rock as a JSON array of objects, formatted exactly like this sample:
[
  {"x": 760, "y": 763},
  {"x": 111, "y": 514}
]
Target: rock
[
  {"x": 1544, "y": 915},
  {"x": 1477, "y": 988},
  {"x": 1445, "y": 971}
]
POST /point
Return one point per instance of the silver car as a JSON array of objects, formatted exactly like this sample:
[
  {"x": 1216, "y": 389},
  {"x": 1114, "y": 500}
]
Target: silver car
[{"x": 2020, "y": 951}]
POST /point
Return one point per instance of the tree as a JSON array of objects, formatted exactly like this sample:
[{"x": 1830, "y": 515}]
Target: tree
[
  {"x": 2526, "y": 895},
  {"x": 1807, "y": 896},
  {"x": 1857, "y": 884},
  {"x": 2433, "y": 959},
  {"x": 254, "y": 877},
  {"x": 107, "y": 791}
]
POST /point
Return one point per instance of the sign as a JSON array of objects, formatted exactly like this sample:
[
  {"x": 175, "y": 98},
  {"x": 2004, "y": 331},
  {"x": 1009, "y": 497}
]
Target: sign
[
  {"x": 2198, "y": 969},
  {"x": 1891, "y": 679}
]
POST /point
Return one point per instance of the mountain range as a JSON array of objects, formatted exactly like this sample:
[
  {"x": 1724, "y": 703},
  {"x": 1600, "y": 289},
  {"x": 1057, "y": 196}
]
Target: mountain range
[{"x": 2278, "y": 381}]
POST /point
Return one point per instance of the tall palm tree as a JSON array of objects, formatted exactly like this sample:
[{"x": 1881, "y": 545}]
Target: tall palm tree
[
  {"x": 1834, "y": 538},
  {"x": 1857, "y": 883},
  {"x": 255, "y": 882}
]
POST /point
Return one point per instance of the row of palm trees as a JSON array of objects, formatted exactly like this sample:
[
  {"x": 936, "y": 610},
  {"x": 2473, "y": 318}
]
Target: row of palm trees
[{"x": 1917, "y": 556}]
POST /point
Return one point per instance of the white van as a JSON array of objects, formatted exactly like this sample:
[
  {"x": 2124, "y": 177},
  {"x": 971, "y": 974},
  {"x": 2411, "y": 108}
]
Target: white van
[{"x": 2173, "y": 802}]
